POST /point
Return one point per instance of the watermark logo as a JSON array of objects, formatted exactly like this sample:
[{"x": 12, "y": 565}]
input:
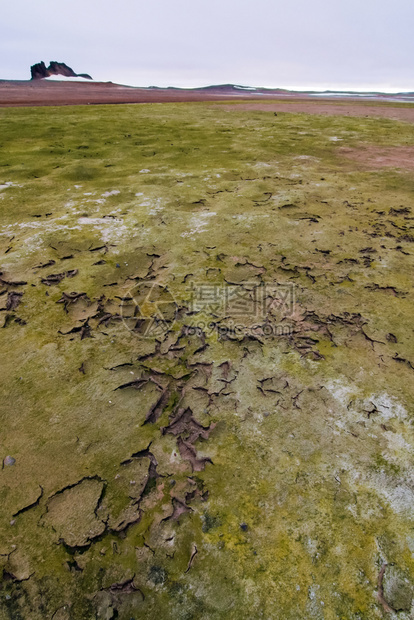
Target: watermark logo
[
  {"x": 249, "y": 301},
  {"x": 149, "y": 310}
]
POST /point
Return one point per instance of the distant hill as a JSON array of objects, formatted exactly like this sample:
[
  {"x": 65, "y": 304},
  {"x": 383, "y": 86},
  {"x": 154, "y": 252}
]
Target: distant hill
[
  {"x": 224, "y": 89},
  {"x": 58, "y": 84},
  {"x": 238, "y": 89}
]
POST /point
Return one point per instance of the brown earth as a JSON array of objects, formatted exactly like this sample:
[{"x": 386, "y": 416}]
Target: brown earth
[
  {"x": 372, "y": 157},
  {"x": 43, "y": 93}
]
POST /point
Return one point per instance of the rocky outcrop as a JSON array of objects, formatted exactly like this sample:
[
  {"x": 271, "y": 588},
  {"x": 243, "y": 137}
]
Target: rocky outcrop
[{"x": 40, "y": 70}]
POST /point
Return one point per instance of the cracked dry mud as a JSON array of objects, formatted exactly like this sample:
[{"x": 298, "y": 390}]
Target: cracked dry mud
[{"x": 206, "y": 469}]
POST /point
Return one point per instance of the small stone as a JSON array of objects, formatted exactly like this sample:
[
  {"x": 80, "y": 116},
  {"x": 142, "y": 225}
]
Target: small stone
[
  {"x": 13, "y": 521},
  {"x": 391, "y": 338},
  {"x": 9, "y": 460},
  {"x": 244, "y": 527}
]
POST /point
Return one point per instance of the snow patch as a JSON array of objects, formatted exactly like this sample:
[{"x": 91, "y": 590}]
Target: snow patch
[
  {"x": 64, "y": 78},
  {"x": 245, "y": 87}
]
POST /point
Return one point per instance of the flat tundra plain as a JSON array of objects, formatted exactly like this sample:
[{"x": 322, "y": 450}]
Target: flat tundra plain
[{"x": 207, "y": 361}]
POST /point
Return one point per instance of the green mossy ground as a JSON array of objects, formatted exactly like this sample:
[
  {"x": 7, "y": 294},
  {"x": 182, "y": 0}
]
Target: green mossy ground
[{"x": 302, "y": 486}]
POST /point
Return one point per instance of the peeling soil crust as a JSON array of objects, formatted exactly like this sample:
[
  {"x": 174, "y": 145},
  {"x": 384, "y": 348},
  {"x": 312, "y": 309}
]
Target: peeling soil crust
[
  {"x": 345, "y": 108},
  {"x": 372, "y": 157}
]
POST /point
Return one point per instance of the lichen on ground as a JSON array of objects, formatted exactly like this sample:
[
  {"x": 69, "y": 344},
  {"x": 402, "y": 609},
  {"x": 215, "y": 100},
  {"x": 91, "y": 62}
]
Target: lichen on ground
[{"x": 207, "y": 364}]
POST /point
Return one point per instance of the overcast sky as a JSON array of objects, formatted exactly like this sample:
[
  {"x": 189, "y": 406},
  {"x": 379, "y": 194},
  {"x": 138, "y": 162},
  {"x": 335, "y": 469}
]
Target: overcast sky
[{"x": 293, "y": 44}]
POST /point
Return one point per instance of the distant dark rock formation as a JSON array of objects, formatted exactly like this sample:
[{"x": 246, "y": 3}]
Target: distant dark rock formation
[{"x": 40, "y": 70}]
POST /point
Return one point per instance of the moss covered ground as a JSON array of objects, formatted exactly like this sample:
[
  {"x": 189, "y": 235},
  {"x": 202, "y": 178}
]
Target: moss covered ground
[{"x": 206, "y": 365}]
